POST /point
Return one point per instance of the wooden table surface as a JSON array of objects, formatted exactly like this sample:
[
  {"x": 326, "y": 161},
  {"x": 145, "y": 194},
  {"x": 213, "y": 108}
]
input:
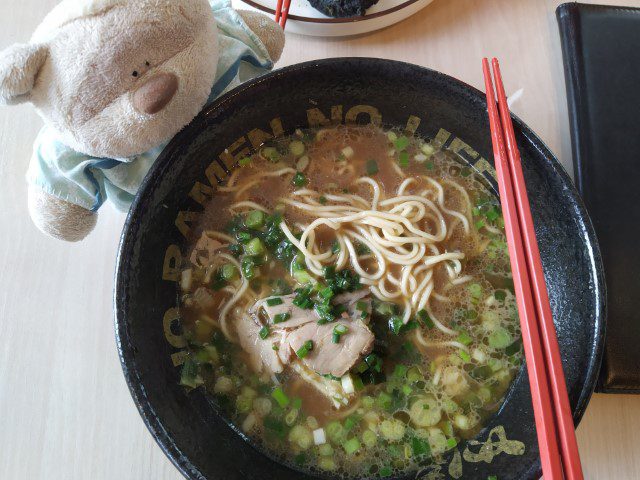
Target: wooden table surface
[{"x": 65, "y": 411}]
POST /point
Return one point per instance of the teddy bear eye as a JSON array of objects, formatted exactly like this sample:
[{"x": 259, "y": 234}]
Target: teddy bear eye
[{"x": 135, "y": 73}]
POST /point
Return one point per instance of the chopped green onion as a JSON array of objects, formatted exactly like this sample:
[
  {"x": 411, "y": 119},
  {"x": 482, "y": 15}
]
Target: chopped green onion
[
  {"x": 372, "y": 167},
  {"x": 275, "y": 347},
  {"x": 351, "y": 446},
  {"x": 475, "y": 290},
  {"x": 326, "y": 292},
  {"x": 403, "y": 159},
  {"x": 452, "y": 443},
  {"x": 296, "y": 403},
  {"x": 400, "y": 371},
  {"x": 264, "y": 332},
  {"x": 464, "y": 338},
  {"x": 228, "y": 272},
  {"x": 304, "y": 350},
  {"x": 464, "y": 356},
  {"x": 335, "y": 248},
  {"x": 272, "y": 302},
  {"x": 280, "y": 397},
  {"x": 270, "y": 154},
  {"x": 281, "y": 317},
  {"x": 340, "y": 329},
  {"x": 479, "y": 224},
  {"x": 420, "y": 447},
  {"x": 401, "y": 143},
  {"x": 244, "y": 161},
  {"x": 243, "y": 237},
  {"x": 395, "y": 324},
  {"x": 296, "y": 148},
  {"x": 248, "y": 268},
  {"x": 255, "y": 219},
  {"x": 500, "y": 338},
  {"x": 322, "y": 200},
  {"x": 254, "y": 247},
  {"x": 429, "y": 165},
  {"x": 492, "y": 214},
  {"x": 302, "y": 276},
  {"x": 362, "y": 306},
  {"x": 386, "y": 471},
  {"x": 423, "y": 316},
  {"x": 299, "y": 180},
  {"x": 500, "y": 295}
]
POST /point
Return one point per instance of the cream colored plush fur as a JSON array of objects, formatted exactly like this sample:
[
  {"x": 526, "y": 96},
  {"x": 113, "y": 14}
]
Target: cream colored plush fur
[{"x": 90, "y": 69}]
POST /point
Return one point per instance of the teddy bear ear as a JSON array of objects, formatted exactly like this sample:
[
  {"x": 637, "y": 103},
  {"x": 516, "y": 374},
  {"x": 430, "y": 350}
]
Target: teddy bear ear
[{"x": 19, "y": 67}]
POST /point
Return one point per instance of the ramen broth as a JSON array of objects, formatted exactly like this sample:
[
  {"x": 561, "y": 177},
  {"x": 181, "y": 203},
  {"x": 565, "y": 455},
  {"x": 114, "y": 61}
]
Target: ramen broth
[{"x": 397, "y": 334}]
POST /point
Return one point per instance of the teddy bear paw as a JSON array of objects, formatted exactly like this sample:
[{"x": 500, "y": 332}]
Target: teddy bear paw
[{"x": 59, "y": 218}]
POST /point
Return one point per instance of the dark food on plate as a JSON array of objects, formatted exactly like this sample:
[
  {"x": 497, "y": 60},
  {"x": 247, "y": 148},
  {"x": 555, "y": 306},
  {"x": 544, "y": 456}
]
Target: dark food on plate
[
  {"x": 342, "y": 8},
  {"x": 348, "y": 301}
]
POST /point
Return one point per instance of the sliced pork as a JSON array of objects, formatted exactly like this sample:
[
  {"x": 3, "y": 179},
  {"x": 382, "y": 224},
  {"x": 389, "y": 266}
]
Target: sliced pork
[
  {"x": 328, "y": 357},
  {"x": 262, "y": 356},
  {"x": 296, "y": 316}
]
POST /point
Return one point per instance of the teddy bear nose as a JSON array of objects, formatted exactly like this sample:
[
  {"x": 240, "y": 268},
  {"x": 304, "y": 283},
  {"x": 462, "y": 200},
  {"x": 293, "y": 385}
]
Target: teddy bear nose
[{"x": 155, "y": 93}]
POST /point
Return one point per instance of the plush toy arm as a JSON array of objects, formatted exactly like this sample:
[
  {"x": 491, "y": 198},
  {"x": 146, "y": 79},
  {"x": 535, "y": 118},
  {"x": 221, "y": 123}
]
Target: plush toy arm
[
  {"x": 269, "y": 32},
  {"x": 58, "y": 218},
  {"x": 19, "y": 67}
]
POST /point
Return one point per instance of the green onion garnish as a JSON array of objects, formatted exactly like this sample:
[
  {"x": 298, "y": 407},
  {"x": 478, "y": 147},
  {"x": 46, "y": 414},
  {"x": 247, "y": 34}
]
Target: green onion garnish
[
  {"x": 335, "y": 248},
  {"x": 395, "y": 324},
  {"x": 429, "y": 165},
  {"x": 264, "y": 332},
  {"x": 492, "y": 214},
  {"x": 255, "y": 219},
  {"x": 400, "y": 371},
  {"x": 464, "y": 338},
  {"x": 281, "y": 317},
  {"x": 228, "y": 272},
  {"x": 326, "y": 292},
  {"x": 280, "y": 397},
  {"x": 403, "y": 159},
  {"x": 272, "y": 302},
  {"x": 304, "y": 350},
  {"x": 323, "y": 200},
  {"x": 254, "y": 247},
  {"x": 351, "y": 446},
  {"x": 464, "y": 356},
  {"x": 299, "y": 180},
  {"x": 500, "y": 295},
  {"x": 423, "y": 316},
  {"x": 401, "y": 143},
  {"x": 248, "y": 268},
  {"x": 479, "y": 224},
  {"x": 296, "y": 403},
  {"x": 362, "y": 306},
  {"x": 340, "y": 330},
  {"x": 452, "y": 443},
  {"x": 244, "y": 161},
  {"x": 372, "y": 167}
]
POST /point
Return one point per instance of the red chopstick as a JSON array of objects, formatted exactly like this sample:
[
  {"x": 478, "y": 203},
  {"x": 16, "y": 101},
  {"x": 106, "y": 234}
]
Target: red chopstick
[
  {"x": 550, "y": 422},
  {"x": 282, "y": 12},
  {"x": 564, "y": 417}
]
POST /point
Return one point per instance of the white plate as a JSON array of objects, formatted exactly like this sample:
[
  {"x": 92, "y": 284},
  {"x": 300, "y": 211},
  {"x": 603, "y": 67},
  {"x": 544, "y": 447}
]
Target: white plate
[{"x": 305, "y": 20}]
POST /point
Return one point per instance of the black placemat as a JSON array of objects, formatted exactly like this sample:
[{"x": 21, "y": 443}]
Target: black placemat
[{"x": 601, "y": 50}]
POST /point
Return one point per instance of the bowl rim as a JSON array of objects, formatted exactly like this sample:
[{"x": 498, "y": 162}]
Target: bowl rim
[{"x": 126, "y": 353}]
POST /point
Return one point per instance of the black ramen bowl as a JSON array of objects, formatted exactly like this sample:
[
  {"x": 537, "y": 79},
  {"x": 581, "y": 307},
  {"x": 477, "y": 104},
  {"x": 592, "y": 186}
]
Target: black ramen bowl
[{"x": 189, "y": 426}]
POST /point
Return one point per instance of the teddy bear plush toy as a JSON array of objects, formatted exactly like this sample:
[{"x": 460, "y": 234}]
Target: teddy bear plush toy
[{"x": 114, "y": 81}]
